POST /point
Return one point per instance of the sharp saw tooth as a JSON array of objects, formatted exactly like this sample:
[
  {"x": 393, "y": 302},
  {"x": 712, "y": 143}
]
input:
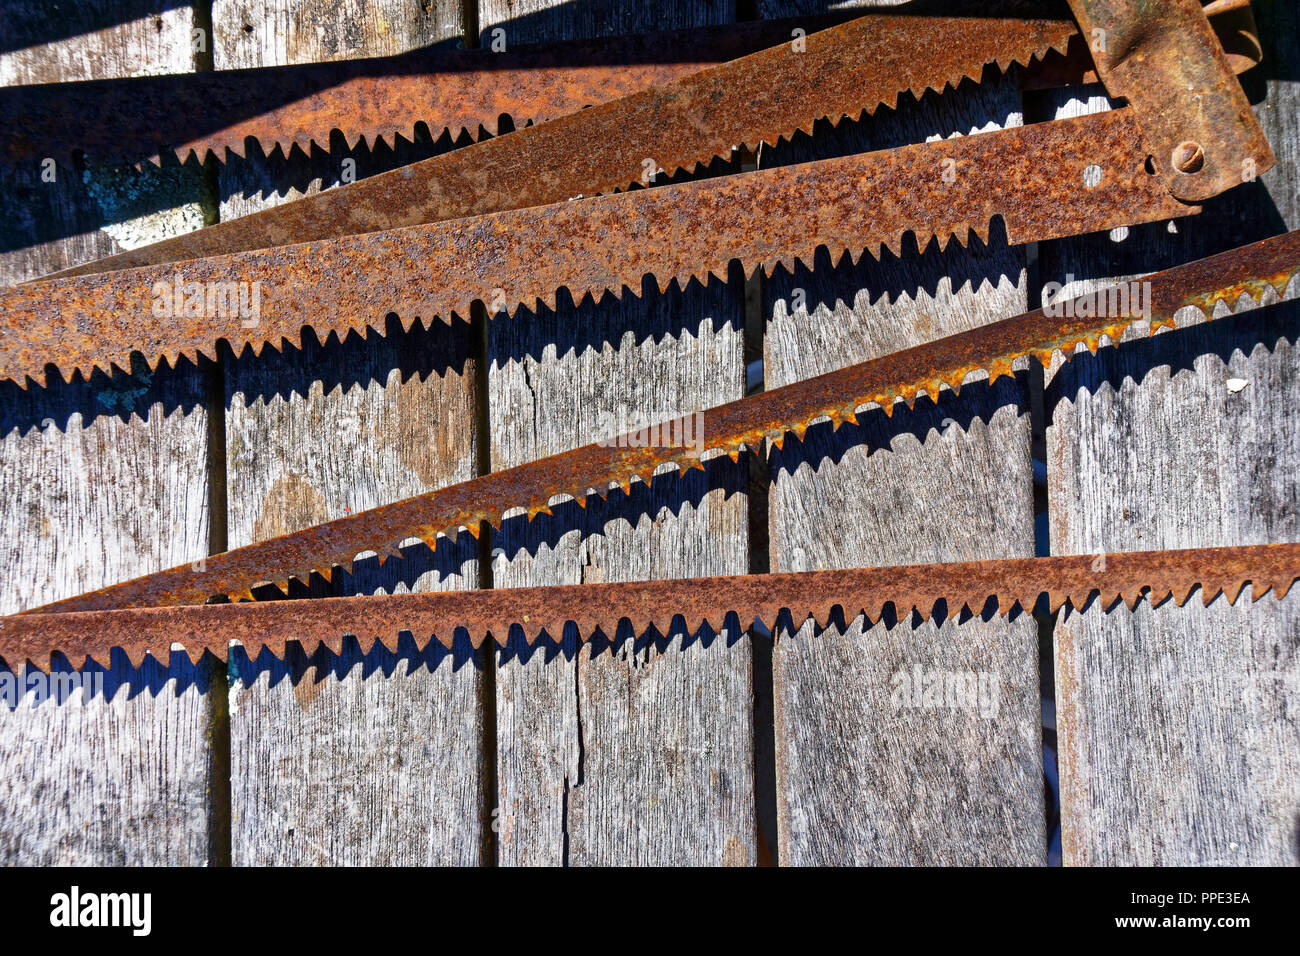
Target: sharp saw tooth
[
  {"x": 1232, "y": 589},
  {"x": 990, "y": 347},
  {"x": 708, "y": 602}
]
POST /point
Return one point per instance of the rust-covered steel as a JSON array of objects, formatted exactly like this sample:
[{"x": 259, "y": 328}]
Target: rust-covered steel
[
  {"x": 368, "y": 100},
  {"x": 837, "y": 72},
  {"x": 1165, "y": 59},
  {"x": 379, "y": 99},
  {"x": 1234, "y": 26},
  {"x": 1032, "y": 178},
  {"x": 727, "y": 429},
  {"x": 588, "y": 609}
]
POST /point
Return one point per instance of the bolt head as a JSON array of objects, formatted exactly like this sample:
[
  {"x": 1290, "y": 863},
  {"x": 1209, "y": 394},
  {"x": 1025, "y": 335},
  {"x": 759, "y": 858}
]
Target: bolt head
[{"x": 1188, "y": 157}]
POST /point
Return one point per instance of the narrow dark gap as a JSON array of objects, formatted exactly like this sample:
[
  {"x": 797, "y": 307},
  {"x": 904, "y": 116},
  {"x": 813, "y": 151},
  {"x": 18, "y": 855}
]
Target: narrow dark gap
[
  {"x": 490, "y": 847},
  {"x": 219, "y": 803},
  {"x": 219, "y": 806},
  {"x": 1043, "y": 616},
  {"x": 490, "y": 850},
  {"x": 760, "y": 639},
  {"x": 582, "y": 743},
  {"x": 204, "y": 59},
  {"x": 580, "y": 769},
  {"x": 582, "y": 752},
  {"x": 1038, "y": 108},
  {"x": 219, "y": 839},
  {"x": 564, "y": 817},
  {"x": 469, "y": 23}
]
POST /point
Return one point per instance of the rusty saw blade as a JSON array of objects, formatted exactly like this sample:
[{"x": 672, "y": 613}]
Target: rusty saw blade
[
  {"x": 585, "y": 610},
  {"x": 842, "y": 71},
  {"x": 838, "y": 72},
  {"x": 1032, "y": 178},
  {"x": 371, "y": 100},
  {"x": 379, "y": 99},
  {"x": 746, "y": 424}
]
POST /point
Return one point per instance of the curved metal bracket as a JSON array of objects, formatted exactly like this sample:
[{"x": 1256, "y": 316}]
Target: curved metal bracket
[{"x": 1164, "y": 58}]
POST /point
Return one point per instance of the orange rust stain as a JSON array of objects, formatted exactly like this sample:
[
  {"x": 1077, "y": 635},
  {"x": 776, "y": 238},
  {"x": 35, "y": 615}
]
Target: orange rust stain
[
  {"x": 1255, "y": 287},
  {"x": 292, "y": 503},
  {"x": 733, "y": 854},
  {"x": 424, "y": 432},
  {"x": 308, "y": 687}
]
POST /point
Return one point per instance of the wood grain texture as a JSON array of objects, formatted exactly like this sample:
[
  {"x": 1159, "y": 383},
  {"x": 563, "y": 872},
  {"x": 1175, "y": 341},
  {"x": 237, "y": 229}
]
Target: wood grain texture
[
  {"x": 639, "y": 752},
  {"x": 1179, "y": 735},
  {"x": 103, "y": 481},
  {"x": 47, "y": 226},
  {"x": 1178, "y": 728},
  {"x": 256, "y": 33},
  {"x": 349, "y": 759},
  {"x": 46, "y": 43},
  {"x": 863, "y": 776}
]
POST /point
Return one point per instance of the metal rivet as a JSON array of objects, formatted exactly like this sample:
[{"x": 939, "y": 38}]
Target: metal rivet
[{"x": 1188, "y": 157}]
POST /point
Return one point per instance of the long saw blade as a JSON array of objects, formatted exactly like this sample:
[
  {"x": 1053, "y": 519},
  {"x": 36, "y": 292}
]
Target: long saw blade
[
  {"x": 746, "y": 424},
  {"x": 370, "y": 100},
  {"x": 838, "y": 72},
  {"x": 1155, "y": 576},
  {"x": 380, "y": 99},
  {"x": 1032, "y": 178}
]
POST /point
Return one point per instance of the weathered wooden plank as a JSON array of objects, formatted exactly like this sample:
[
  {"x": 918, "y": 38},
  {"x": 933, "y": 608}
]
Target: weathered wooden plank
[
  {"x": 640, "y": 752},
  {"x": 251, "y": 32},
  {"x": 355, "y": 758},
  {"x": 51, "y": 225},
  {"x": 103, "y": 481},
  {"x": 1178, "y": 728},
  {"x": 865, "y": 772}
]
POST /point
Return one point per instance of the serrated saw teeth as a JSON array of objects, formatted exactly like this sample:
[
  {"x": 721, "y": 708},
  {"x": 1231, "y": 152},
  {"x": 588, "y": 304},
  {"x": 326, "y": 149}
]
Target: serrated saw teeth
[
  {"x": 518, "y": 253},
  {"x": 370, "y": 100},
  {"x": 466, "y": 92},
  {"x": 914, "y": 591},
  {"x": 595, "y": 468},
  {"x": 696, "y": 118}
]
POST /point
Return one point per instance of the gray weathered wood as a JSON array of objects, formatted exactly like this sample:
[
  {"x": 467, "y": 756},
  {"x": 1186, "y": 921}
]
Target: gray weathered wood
[
  {"x": 639, "y": 753},
  {"x": 1179, "y": 740},
  {"x": 349, "y": 759},
  {"x": 102, "y": 481},
  {"x": 860, "y": 780}
]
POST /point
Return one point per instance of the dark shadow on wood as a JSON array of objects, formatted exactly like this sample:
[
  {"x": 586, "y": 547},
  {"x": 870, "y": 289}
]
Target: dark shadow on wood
[
  {"x": 1175, "y": 351},
  {"x": 99, "y": 682},
  {"x": 124, "y": 396},
  {"x": 625, "y": 641},
  {"x": 877, "y": 432},
  {"x": 31, "y": 23},
  {"x": 406, "y": 659}
]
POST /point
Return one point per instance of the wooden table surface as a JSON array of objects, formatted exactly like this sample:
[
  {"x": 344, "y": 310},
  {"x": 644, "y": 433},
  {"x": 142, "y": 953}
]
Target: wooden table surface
[{"x": 1177, "y": 729}]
